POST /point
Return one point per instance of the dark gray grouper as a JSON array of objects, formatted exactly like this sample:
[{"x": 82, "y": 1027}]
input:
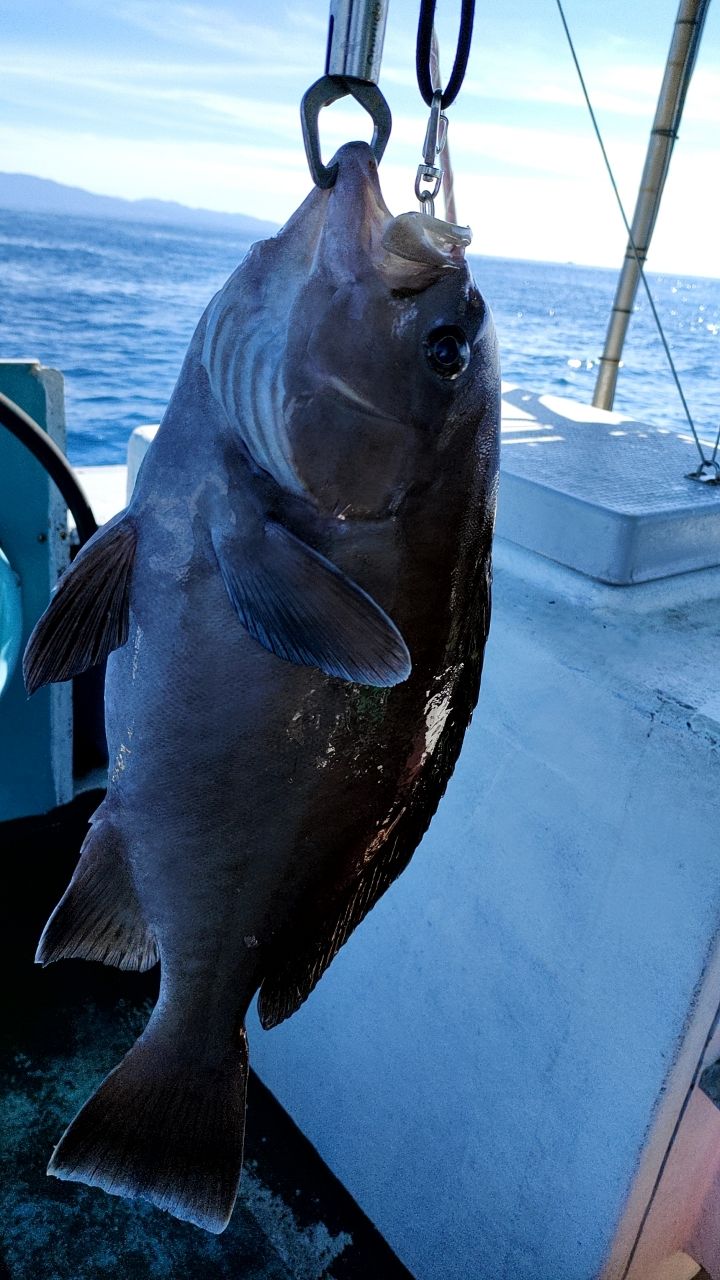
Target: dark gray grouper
[{"x": 295, "y": 604}]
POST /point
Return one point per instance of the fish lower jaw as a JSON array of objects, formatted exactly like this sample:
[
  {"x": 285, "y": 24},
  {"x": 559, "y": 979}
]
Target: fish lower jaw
[
  {"x": 344, "y": 517},
  {"x": 332, "y": 512}
]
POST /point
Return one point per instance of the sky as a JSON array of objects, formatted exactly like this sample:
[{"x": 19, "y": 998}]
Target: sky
[{"x": 198, "y": 102}]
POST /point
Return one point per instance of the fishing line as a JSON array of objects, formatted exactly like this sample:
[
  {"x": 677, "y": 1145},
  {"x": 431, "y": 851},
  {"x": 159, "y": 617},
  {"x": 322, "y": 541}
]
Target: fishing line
[
  {"x": 706, "y": 462},
  {"x": 424, "y": 52}
]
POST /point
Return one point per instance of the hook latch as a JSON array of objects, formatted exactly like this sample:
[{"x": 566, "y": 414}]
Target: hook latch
[{"x": 428, "y": 179}]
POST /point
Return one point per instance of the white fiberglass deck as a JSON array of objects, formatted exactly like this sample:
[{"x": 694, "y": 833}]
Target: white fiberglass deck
[{"x": 603, "y": 494}]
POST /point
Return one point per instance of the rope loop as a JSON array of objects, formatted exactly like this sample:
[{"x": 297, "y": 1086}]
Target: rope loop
[{"x": 424, "y": 46}]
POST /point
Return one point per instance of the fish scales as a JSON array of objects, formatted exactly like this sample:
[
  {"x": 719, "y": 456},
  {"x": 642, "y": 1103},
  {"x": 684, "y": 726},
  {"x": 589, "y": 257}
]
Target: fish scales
[{"x": 295, "y": 609}]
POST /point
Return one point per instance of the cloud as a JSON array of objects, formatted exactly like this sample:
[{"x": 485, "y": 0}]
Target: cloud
[
  {"x": 221, "y": 29},
  {"x": 202, "y": 101},
  {"x": 619, "y": 83},
  {"x": 200, "y": 105},
  {"x": 240, "y": 177}
]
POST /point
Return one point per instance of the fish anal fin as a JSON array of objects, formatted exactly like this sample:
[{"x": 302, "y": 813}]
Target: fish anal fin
[
  {"x": 88, "y": 616},
  {"x": 161, "y": 1129},
  {"x": 99, "y": 916},
  {"x": 304, "y": 609}
]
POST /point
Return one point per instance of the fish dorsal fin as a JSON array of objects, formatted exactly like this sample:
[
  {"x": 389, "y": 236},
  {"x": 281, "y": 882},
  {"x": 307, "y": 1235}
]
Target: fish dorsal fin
[
  {"x": 301, "y": 607},
  {"x": 99, "y": 916},
  {"x": 88, "y": 616}
]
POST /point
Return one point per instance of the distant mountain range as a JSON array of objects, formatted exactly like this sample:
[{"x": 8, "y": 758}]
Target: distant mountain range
[{"x": 39, "y": 195}]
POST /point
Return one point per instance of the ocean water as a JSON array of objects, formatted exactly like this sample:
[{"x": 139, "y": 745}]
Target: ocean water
[{"x": 113, "y": 306}]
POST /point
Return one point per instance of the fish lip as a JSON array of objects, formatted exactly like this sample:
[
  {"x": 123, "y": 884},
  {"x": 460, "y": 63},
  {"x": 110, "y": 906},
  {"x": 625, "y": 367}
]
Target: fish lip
[
  {"x": 357, "y": 217},
  {"x": 418, "y": 239}
]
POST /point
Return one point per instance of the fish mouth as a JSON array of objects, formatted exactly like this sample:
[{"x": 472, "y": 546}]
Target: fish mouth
[
  {"x": 419, "y": 250},
  {"x": 420, "y": 238},
  {"x": 411, "y": 250}
]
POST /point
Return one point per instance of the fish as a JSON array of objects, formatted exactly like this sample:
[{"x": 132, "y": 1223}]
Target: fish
[{"x": 294, "y": 608}]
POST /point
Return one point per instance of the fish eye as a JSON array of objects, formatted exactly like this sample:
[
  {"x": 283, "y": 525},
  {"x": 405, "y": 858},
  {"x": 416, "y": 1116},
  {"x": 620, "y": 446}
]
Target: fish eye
[{"x": 447, "y": 350}]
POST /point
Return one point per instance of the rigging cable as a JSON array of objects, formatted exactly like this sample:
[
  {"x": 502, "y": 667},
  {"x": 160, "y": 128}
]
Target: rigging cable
[{"x": 710, "y": 463}]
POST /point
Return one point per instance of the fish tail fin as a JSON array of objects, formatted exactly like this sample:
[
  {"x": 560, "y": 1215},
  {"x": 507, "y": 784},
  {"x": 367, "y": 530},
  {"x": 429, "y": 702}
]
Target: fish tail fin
[{"x": 164, "y": 1129}]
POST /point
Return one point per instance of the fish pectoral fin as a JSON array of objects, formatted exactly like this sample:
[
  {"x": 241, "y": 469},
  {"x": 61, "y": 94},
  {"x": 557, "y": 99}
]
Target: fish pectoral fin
[
  {"x": 88, "y": 616},
  {"x": 301, "y": 607},
  {"x": 99, "y": 916}
]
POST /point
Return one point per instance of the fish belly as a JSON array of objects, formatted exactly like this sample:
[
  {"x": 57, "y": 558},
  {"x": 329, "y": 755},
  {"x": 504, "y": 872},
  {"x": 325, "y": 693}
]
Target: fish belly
[{"x": 245, "y": 786}]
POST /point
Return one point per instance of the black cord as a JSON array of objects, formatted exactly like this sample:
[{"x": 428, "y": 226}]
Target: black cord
[
  {"x": 424, "y": 43},
  {"x": 42, "y": 447}
]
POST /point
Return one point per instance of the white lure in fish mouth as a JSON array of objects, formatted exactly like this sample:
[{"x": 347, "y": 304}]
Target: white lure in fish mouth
[
  {"x": 418, "y": 238},
  {"x": 419, "y": 249}
]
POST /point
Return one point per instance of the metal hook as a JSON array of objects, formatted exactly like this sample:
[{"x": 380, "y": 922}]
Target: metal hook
[
  {"x": 436, "y": 131},
  {"x": 323, "y": 93},
  {"x": 429, "y": 171}
]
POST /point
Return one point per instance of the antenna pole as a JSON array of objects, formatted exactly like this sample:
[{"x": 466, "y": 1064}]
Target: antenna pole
[{"x": 678, "y": 71}]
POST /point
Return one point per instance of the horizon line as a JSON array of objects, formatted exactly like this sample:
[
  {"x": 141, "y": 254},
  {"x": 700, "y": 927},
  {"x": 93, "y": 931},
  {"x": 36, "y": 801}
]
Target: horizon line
[{"x": 131, "y": 201}]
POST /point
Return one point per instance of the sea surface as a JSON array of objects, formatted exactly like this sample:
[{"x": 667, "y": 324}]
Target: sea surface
[{"x": 113, "y": 305}]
